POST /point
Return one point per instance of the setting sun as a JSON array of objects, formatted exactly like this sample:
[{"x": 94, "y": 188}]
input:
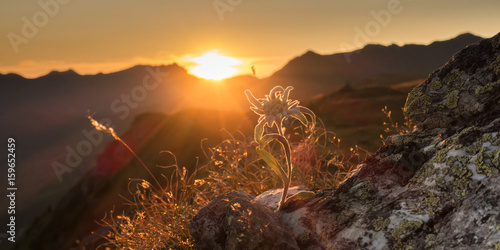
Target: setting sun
[{"x": 213, "y": 66}]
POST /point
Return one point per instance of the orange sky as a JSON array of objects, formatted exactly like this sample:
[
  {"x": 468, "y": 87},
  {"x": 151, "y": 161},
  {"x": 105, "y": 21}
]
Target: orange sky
[{"x": 103, "y": 36}]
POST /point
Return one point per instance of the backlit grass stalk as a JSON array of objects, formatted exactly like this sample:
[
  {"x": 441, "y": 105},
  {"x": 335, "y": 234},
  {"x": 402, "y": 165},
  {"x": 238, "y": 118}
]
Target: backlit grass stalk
[
  {"x": 111, "y": 131},
  {"x": 273, "y": 110}
]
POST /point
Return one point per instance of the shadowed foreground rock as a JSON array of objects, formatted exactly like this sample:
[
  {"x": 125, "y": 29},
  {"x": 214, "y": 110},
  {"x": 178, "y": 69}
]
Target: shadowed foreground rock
[
  {"x": 234, "y": 221},
  {"x": 434, "y": 188}
]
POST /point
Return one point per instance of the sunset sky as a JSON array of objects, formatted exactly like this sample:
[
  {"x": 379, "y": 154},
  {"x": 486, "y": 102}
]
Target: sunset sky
[{"x": 94, "y": 36}]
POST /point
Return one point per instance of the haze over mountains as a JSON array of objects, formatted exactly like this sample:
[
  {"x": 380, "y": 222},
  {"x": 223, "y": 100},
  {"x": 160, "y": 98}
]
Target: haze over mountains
[{"x": 47, "y": 115}]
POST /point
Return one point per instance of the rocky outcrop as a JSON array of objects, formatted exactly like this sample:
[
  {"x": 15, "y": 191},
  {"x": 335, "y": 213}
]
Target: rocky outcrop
[
  {"x": 461, "y": 92},
  {"x": 434, "y": 188}
]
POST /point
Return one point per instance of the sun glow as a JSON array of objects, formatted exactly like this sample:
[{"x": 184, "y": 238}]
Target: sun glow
[{"x": 213, "y": 66}]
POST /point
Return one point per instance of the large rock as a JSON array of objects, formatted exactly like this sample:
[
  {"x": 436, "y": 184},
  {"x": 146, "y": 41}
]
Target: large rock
[
  {"x": 235, "y": 221},
  {"x": 461, "y": 92},
  {"x": 434, "y": 188}
]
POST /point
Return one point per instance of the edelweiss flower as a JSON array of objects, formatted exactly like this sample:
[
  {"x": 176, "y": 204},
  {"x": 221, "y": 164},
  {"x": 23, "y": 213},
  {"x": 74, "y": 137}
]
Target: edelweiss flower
[
  {"x": 272, "y": 111},
  {"x": 275, "y": 108}
]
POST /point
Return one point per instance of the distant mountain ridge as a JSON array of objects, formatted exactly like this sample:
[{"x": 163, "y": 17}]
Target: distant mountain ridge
[
  {"x": 359, "y": 67},
  {"x": 374, "y": 59},
  {"x": 369, "y": 61}
]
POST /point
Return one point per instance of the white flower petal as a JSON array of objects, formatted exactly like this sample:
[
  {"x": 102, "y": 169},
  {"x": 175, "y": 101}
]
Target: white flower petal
[
  {"x": 272, "y": 93},
  {"x": 252, "y": 99},
  {"x": 286, "y": 93},
  {"x": 259, "y": 130},
  {"x": 298, "y": 115},
  {"x": 309, "y": 112},
  {"x": 293, "y": 104},
  {"x": 257, "y": 110}
]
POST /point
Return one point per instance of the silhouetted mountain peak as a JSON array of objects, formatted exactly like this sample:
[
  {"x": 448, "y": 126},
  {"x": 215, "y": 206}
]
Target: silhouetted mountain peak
[
  {"x": 310, "y": 53},
  {"x": 176, "y": 67},
  {"x": 67, "y": 73},
  {"x": 375, "y": 48},
  {"x": 11, "y": 77},
  {"x": 305, "y": 62},
  {"x": 171, "y": 68},
  {"x": 465, "y": 38},
  {"x": 468, "y": 36}
]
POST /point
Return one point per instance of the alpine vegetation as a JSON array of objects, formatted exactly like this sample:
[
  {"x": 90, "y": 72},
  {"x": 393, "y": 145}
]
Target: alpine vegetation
[
  {"x": 163, "y": 218},
  {"x": 273, "y": 110}
]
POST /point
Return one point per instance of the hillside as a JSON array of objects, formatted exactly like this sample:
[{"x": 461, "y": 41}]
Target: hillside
[{"x": 355, "y": 114}]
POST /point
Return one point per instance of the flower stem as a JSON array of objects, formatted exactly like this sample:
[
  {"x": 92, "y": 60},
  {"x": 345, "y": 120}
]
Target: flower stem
[
  {"x": 288, "y": 180},
  {"x": 286, "y": 184}
]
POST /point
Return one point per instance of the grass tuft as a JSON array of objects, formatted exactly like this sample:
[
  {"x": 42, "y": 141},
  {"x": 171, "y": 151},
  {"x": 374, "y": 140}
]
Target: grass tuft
[{"x": 161, "y": 221}]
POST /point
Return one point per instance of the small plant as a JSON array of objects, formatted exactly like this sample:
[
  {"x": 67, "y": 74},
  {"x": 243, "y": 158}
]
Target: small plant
[
  {"x": 159, "y": 218},
  {"x": 273, "y": 110},
  {"x": 393, "y": 128}
]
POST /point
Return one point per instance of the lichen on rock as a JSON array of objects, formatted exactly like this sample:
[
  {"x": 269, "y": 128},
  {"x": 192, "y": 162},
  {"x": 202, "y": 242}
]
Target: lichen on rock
[{"x": 456, "y": 91}]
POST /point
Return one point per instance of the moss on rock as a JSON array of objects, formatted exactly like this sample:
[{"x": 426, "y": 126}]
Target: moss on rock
[
  {"x": 404, "y": 227},
  {"x": 480, "y": 90},
  {"x": 380, "y": 223},
  {"x": 417, "y": 102},
  {"x": 452, "y": 99},
  {"x": 436, "y": 85}
]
